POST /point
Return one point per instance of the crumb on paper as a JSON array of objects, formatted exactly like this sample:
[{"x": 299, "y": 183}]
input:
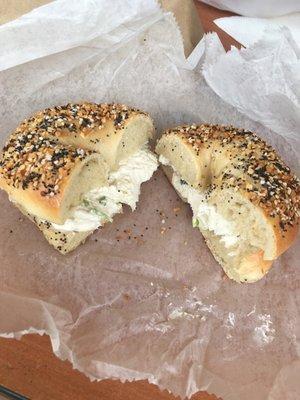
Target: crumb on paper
[
  {"x": 264, "y": 333},
  {"x": 126, "y": 296},
  {"x": 129, "y": 234}
]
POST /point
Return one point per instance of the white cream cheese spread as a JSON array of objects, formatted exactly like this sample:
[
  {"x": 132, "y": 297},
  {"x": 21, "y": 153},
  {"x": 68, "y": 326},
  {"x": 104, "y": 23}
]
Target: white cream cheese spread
[
  {"x": 100, "y": 205},
  {"x": 205, "y": 215}
]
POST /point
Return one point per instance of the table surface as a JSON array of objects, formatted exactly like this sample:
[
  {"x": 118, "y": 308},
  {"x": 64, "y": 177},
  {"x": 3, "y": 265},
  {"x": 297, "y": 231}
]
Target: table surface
[{"x": 28, "y": 366}]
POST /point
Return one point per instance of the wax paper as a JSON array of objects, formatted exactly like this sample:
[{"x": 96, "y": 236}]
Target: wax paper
[
  {"x": 262, "y": 81},
  {"x": 143, "y": 298},
  {"x": 257, "y": 8},
  {"x": 247, "y": 31}
]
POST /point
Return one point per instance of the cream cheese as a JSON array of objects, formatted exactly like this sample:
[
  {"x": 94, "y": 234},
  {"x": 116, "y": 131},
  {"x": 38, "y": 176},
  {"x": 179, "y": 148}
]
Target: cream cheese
[
  {"x": 205, "y": 215},
  {"x": 100, "y": 205}
]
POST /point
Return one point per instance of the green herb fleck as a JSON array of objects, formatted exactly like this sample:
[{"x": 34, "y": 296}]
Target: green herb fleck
[
  {"x": 195, "y": 223},
  {"x": 86, "y": 203}
]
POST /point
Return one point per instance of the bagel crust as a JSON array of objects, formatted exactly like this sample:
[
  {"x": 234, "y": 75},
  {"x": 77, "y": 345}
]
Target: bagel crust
[
  {"x": 216, "y": 159},
  {"x": 90, "y": 126},
  {"x": 39, "y": 173},
  {"x": 55, "y": 157}
]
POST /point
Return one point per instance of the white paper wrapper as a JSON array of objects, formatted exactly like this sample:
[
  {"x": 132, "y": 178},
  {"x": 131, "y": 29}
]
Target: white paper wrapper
[
  {"x": 247, "y": 31},
  {"x": 257, "y": 8},
  {"x": 262, "y": 82},
  {"x": 155, "y": 306}
]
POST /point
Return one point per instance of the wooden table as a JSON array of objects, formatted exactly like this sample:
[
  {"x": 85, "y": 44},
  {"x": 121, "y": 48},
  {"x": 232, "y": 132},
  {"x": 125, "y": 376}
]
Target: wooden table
[{"x": 28, "y": 366}]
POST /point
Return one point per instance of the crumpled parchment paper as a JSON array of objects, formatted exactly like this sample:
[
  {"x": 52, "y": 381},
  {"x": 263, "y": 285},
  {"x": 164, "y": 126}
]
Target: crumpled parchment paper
[
  {"x": 143, "y": 298},
  {"x": 248, "y": 30},
  {"x": 257, "y": 8},
  {"x": 262, "y": 82}
]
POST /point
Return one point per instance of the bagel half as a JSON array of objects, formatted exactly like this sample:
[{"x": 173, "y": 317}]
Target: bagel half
[
  {"x": 245, "y": 200},
  {"x": 56, "y": 160}
]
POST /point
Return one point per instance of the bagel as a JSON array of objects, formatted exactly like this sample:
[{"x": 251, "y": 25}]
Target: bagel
[
  {"x": 56, "y": 163},
  {"x": 244, "y": 198}
]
